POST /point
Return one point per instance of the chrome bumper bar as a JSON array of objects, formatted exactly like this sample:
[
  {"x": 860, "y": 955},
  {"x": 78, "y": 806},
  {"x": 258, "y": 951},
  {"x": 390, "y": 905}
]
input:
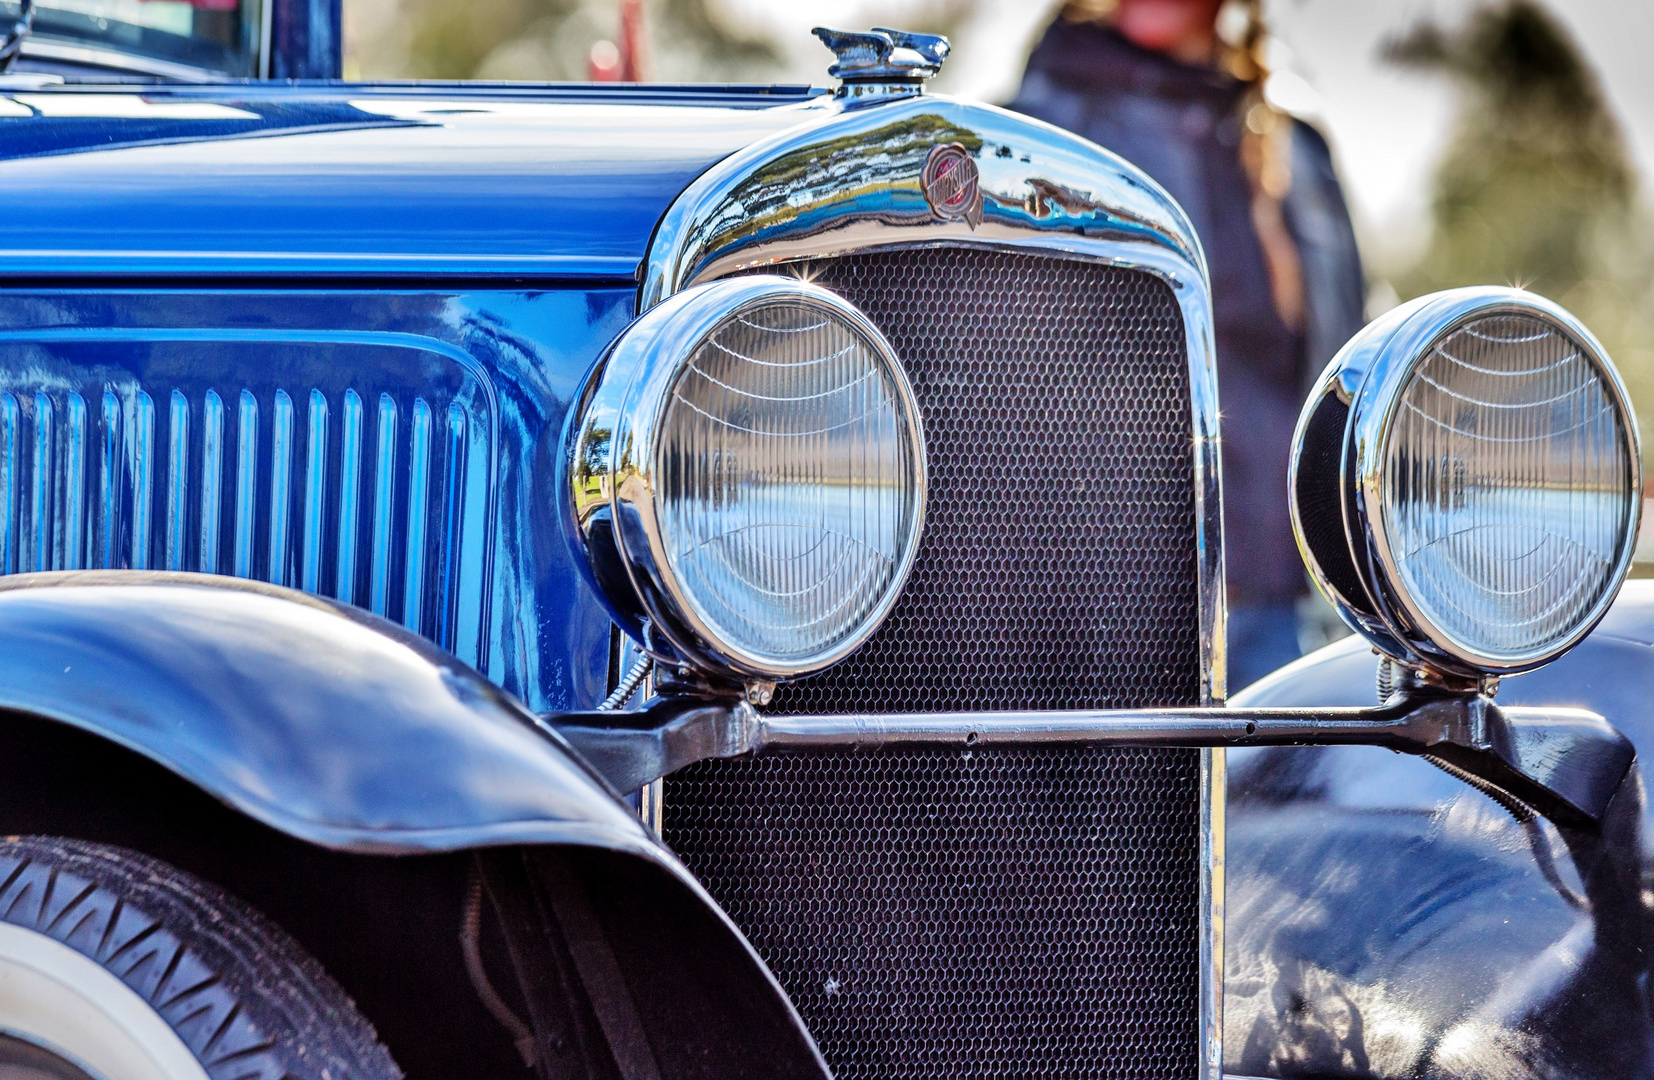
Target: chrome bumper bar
[{"x": 1563, "y": 763}]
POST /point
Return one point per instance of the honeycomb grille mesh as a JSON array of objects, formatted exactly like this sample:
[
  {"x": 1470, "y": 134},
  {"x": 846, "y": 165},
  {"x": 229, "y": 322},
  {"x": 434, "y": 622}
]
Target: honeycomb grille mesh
[
  {"x": 1057, "y": 568},
  {"x": 1008, "y": 913}
]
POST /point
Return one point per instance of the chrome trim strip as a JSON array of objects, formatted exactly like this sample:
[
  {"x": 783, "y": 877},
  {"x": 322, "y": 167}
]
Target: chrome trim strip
[
  {"x": 40, "y": 490},
  {"x": 266, "y": 26},
  {"x": 1195, "y": 726},
  {"x": 850, "y": 180},
  {"x": 281, "y": 488},
  {"x": 1213, "y": 837},
  {"x": 212, "y": 479},
  {"x": 350, "y": 496},
  {"x": 143, "y": 479},
  {"x": 25, "y": 263}
]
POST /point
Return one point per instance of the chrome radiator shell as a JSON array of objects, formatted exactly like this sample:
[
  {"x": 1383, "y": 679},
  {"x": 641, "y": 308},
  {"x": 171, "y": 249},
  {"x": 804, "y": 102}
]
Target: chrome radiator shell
[{"x": 847, "y": 184}]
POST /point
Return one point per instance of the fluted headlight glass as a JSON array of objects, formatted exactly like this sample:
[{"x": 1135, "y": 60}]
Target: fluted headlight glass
[
  {"x": 1507, "y": 488},
  {"x": 747, "y": 472},
  {"x": 789, "y": 480}
]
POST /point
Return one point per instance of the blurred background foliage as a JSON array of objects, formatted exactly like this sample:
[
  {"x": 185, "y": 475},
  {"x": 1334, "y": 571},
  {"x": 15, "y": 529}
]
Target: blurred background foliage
[
  {"x": 1534, "y": 186},
  {"x": 552, "y": 40}
]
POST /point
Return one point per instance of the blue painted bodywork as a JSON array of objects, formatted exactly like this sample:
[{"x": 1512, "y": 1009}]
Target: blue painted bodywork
[
  {"x": 290, "y": 181},
  {"x": 143, "y": 367},
  {"x": 235, "y": 319}
]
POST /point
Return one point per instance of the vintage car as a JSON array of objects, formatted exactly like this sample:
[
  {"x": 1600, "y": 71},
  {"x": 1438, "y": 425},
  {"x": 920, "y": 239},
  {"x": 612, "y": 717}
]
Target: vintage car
[{"x": 669, "y": 582}]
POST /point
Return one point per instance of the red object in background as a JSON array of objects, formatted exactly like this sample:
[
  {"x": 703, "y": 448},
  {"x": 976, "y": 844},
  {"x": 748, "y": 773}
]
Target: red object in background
[
  {"x": 603, "y": 62},
  {"x": 623, "y": 62},
  {"x": 631, "y": 41}
]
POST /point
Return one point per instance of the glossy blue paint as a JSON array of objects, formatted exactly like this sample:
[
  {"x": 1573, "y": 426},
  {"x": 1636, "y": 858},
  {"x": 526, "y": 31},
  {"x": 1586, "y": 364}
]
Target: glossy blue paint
[
  {"x": 339, "y": 180},
  {"x": 430, "y": 421},
  {"x": 281, "y": 487}
]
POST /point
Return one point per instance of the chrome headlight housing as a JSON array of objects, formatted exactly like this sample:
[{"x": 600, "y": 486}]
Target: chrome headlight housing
[
  {"x": 1466, "y": 482},
  {"x": 747, "y": 469}
]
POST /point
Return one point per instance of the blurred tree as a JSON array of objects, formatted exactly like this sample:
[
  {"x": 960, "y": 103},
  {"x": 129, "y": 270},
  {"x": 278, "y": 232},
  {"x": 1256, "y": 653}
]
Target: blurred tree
[
  {"x": 550, "y": 40},
  {"x": 451, "y": 41},
  {"x": 1536, "y": 188},
  {"x": 1537, "y": 174}
]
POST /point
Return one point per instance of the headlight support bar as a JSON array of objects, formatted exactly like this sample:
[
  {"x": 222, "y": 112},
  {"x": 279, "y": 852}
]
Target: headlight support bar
[{"x": 1566, "y": 764}]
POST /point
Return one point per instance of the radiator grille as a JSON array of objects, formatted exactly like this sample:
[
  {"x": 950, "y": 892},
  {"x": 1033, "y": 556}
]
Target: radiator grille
[
  {"x": 1008, "y": 914},
  {"x": 1057, "y": 569},
  {"x": 1001, "y": 913}
]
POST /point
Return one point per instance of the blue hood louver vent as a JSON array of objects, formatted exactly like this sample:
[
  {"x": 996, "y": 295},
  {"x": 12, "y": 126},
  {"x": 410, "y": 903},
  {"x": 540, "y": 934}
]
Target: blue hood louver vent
[{"x": 357, "y": 469}]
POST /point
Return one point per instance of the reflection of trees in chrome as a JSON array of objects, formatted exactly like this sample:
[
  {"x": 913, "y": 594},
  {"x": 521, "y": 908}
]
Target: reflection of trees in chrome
[
  {"x": 592, "y": 464},
  {"x": 844, "y": 170}
]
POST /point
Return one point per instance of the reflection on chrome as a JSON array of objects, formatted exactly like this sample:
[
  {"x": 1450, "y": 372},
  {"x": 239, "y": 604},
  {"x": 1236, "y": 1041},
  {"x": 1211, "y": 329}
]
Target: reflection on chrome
[
  {"x": 1466, "y": 482},
  {"x": 748, "y": 476}
]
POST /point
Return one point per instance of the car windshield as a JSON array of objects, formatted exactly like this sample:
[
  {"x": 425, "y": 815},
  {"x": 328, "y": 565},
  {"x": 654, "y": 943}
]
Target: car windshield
[{"x": 152, "y": 35}]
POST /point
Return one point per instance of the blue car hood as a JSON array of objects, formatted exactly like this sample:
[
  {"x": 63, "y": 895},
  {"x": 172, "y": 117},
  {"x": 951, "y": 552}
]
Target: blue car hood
[{"x": 334, "y": 179}]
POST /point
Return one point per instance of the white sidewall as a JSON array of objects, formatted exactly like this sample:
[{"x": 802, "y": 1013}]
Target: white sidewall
[{"x": 53, "y": 996}]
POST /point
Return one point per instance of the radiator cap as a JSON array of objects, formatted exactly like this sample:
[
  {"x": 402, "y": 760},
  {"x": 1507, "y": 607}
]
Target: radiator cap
[{"x": 883, "y": 62}]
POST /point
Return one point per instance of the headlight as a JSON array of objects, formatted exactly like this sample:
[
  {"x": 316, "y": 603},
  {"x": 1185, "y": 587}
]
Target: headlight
[
  {"x": 1466, "y": 484},
  {"x": 748, "y": 477}
]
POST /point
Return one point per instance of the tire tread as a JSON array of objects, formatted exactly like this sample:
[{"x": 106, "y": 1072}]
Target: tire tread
[{"x": 242, "y": 995}]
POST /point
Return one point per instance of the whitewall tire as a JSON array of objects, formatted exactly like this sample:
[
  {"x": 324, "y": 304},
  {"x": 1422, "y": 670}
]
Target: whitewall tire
[{"x": 115, "y": 966}]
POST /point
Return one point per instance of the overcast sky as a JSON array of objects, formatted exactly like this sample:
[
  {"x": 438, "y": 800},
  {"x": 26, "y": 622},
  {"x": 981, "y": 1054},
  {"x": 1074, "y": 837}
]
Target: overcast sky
[{"x": 1387, "y": 125}]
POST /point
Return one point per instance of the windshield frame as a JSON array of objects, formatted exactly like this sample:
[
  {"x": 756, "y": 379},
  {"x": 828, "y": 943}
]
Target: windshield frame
[{"x": 66, "y": 38}]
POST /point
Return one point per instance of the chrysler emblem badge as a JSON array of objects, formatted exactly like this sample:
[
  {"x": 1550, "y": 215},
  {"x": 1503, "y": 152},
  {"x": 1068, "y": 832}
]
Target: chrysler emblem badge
[{"x": 952, "y": 185}]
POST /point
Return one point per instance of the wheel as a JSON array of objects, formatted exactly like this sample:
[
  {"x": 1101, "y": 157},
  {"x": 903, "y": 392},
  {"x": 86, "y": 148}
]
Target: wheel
[{"x": 114, "y": 966}]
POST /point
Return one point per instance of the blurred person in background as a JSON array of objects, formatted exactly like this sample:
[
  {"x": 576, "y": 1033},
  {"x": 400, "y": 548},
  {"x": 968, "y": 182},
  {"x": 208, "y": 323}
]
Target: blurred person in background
[{"x": 1156, "y": 82}]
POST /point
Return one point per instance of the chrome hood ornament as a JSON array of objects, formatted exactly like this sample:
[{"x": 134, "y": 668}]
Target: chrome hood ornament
[{"x": 883, "y": 63}]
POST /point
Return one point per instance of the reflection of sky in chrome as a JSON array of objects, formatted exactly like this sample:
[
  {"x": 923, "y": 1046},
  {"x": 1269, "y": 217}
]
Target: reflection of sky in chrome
[
  {"x": 785, "y": 481},
  {"x": 1506, "y": 488}
]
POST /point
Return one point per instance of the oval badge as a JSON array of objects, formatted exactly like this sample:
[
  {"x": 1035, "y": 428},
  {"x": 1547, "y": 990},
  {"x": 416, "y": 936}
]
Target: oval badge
[{"x": 952, "y": 185}]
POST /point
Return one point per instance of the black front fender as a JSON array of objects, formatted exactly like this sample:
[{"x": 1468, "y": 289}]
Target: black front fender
[
  {"x": 321, "y": 721},
  {"x": 1386, "y": 920},
  {"x": 343, "y": 731}
]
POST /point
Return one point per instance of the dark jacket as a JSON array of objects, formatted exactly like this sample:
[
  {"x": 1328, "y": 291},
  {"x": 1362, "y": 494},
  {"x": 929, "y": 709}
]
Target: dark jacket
[{"x": 1182, "y": 125}]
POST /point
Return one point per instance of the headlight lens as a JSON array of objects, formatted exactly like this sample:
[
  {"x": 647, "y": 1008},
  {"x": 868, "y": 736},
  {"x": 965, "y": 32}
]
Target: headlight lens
[
  {"x": 1507, "y": 487},
  {"x": 767, "y": 479},
  {"x": 1466, "y": 485},
  {"x": 789, "y": 480}
]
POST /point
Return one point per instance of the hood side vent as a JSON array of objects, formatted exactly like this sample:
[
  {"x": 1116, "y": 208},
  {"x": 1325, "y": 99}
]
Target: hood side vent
[{"x": 368, "y": 481}]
